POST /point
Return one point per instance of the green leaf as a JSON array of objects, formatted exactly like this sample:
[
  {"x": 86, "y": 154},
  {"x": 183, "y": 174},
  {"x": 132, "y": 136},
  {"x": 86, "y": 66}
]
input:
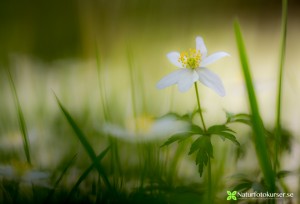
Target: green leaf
[
  {"x": 239, "y": 118},
  {"x": 224, "y": 132},
  {"x": 197, "y": 129},
  {"x": 228, "y": 136},
  {"x": 243, "y": 186},
  {"x": 22, "y": 123},
  {"x": 204, "y": 150},
  {"x": 198, "y": 143},
  {"x": 278, "y": 132},
  {"x": 186, "y": 117},
  {"x": 86, "y": 173},
  {"x": 284, "y": 173},
  {"x": 177, "y": 137},
  {"x": 215, "y": 129},
  {"x": 88, "y": 148},
  {"x": 194, "y": 130},
  {"x": 257, "y": 124},
  {"x": 68, "y": 165}
]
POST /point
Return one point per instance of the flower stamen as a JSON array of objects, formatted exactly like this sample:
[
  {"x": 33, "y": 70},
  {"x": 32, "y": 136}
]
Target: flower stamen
[{"x": 190, "y": 59}]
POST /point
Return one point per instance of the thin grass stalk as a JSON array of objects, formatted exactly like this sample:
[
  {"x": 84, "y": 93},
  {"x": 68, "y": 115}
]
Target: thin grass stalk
[
  {"x": 102, "y": 86},
  {"x": 258, "y": 127},
  {"x": 87, "y": 147},
  {"x": 115, "y": 159},
  {"x": 142, "y": 91},
  {"x": 132, "y": 85},
  {"x": 280, "y": 76},
  {"x": 175, "y": 160},
  {"x": 63, "y": 173},
  {"x": 22, "y": 123},
  {"x": 86, "y": 173}
]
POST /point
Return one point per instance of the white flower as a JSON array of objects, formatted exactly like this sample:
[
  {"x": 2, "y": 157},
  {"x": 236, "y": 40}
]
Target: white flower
[
  {"x": 146, "y": 128},
  {"x": 192, "y": 68},
  {"x": 23, "y": 172}
]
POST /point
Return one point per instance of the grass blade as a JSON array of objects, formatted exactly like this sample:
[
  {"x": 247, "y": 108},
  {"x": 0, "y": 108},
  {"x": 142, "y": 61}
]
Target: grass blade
[
  {"x": 132, "y": 85},
  {"x": 86, "y": 173},
  {"x": 22, "y": 123},
  {"x": 103, "y": 97},
  {"x": 279, "y": 92},
  {"x": 258, "y": 127},
  {"x": 48, "y": 199},
  {"x": 88, "y": 148}
]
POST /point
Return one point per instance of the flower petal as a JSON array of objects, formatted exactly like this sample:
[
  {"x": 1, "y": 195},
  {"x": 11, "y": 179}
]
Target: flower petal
[
  {"x": 213, "y": 57},
  {"x": 187, "y": 79},
  {"x": 211, "y": 80},
  {"x": 170, "y": 79},
  {"x": 173, "y": 57},
  {"x": 201, "y": 46}
]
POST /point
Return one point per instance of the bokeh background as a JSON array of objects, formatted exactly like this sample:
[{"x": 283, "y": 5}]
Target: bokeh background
[{"x": 104, "y": 58}]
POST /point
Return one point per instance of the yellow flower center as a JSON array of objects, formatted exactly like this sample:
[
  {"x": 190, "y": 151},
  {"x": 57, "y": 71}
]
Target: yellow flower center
[{"x": 190, "y": 59}]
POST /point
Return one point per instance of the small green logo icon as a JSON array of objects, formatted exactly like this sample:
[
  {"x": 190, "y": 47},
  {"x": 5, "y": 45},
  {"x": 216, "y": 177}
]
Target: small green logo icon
[{"x": 231, "y": 195}]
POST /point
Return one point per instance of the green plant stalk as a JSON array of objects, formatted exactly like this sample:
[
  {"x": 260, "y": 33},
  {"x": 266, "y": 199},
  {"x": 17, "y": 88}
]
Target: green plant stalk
[
  {"x": 102, "y": 87},
  {"x": 87, "y": 147},
  {"x": 258, "y": 128},
  {"x": 22, "y": 123},
  {"x": 141, "y": 89},
  {"x": 279, "y": 93},
  {"x": 199, "y": 107},
  {"x": 174, "y": 163},
  {"x": 210, "y": 200},
  {"x": 63, "y": 173},
  {"x": 132, "y": 85},
  {"x": 115, "y": 159},
  {"x": 85, "y": 174}
]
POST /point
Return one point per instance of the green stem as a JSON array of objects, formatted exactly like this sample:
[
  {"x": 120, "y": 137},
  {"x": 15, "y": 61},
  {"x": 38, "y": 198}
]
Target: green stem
[
  {"x": 210, "y": 200},
  {"x": 281, "y": 65},
  {"x": 199, "y": 106}
]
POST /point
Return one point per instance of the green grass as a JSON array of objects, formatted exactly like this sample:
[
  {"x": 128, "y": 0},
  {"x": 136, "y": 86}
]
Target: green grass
[
  {"x": 60, "y": 178},
  {"x": 259, "y": 137},
  {"x": 280, "y": 78},
  {"x": 85, "y": 174},
  {"x": 88, "y": 148},
  {"x": 22, "y": 123}
]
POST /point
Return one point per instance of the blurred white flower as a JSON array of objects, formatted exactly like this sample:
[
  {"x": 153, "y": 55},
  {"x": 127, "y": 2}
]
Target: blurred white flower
[
  {"x": 22, "y": 172},
  {"x": 192, "y": 68},
  {"x": 146, "y": 128}
]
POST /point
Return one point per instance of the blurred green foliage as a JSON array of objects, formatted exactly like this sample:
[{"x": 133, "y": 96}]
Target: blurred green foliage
[{"x": 57, "y": 29}]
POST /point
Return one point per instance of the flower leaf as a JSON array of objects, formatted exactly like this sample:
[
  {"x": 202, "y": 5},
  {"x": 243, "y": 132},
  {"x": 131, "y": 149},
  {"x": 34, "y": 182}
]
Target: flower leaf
[
  {"x": 194, "y": 130},
  {"x": 243, "y": 186},
  {"x": 224, "y": 132},
  {"x": 239, "y": 118},
  {"x": 204, "y": 150},
  {"x": 284, "y": 173},
  {"x": 215, "y": 129},
  {"x": 228, "y": 136},
  {"x": 197, "y": 130},
  {"x": 178, "y": 137}
]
